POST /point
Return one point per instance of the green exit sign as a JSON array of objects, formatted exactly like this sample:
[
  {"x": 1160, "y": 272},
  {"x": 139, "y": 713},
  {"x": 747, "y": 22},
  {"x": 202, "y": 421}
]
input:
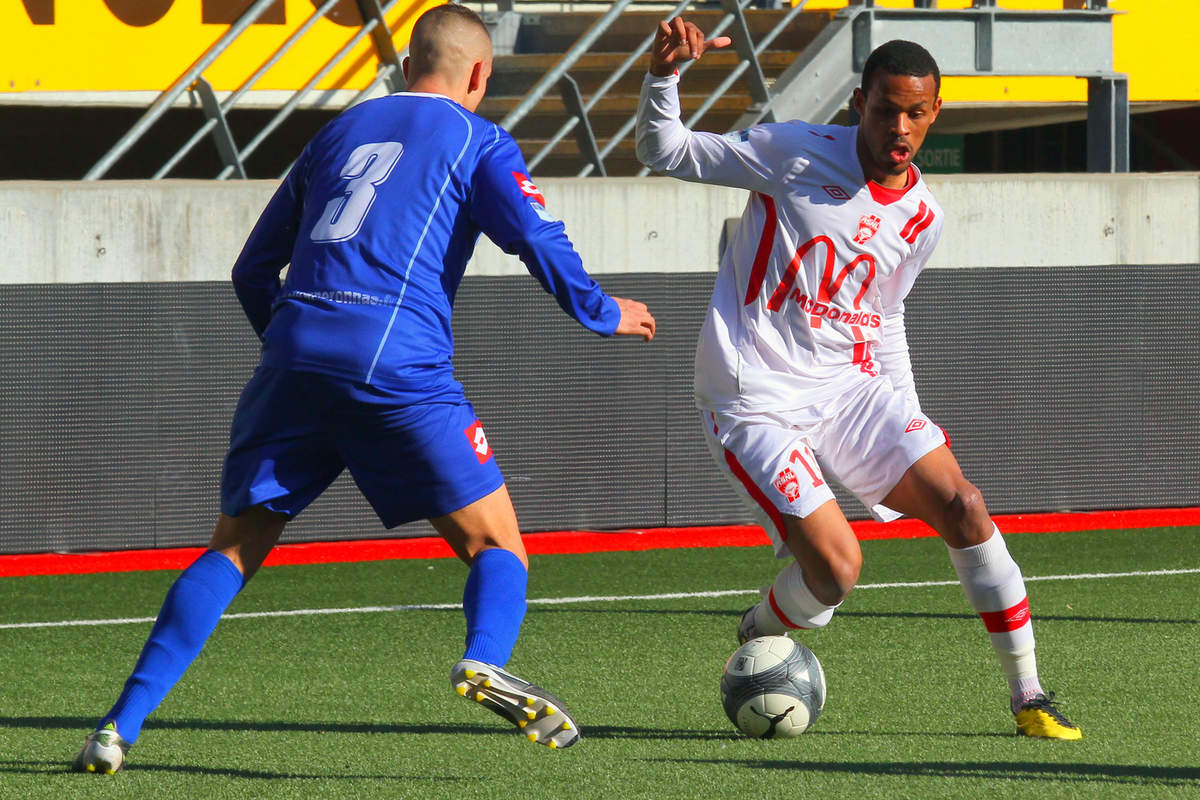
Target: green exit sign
[{"x": 941, "y": 154}]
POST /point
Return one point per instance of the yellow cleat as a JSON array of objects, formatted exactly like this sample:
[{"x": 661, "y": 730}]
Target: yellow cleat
[
  {"x": 553, "y": 745},
  {"x": 470, "y": 673},
  {"x": 522, "y": 723},
  {"x": 462, "y": 690},
  {"x": 91, "y": 767},
  {"x": 551, "y": 710},
  {"x": 566, "y": 726},
  {"x": 480, "y": 697},
  {"x": 532, "y": 736},
  {"x": 531, "y": 714},
  {"x": 1040, "y": 718}
]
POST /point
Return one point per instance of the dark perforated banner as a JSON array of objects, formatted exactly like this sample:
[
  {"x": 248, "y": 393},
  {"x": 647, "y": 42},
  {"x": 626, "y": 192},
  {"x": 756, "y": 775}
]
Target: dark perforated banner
[{"x": 1062, "y": 389}]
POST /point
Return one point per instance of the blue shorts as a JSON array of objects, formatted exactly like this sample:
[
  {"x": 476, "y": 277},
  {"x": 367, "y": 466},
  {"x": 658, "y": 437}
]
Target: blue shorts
[{"x": 294, "y": 432}]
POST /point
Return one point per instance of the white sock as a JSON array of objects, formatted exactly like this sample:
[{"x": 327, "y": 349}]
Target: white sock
[
  {"x": 790, "y": 604},
  {"x": 993, "y": 584}
]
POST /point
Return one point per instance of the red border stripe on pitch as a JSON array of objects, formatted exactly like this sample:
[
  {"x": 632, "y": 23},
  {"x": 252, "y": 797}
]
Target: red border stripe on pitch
[{"x": 561, "y": 542}]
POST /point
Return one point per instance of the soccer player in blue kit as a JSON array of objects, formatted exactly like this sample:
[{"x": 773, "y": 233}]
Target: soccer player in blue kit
[{"x": 377, "y": 219}]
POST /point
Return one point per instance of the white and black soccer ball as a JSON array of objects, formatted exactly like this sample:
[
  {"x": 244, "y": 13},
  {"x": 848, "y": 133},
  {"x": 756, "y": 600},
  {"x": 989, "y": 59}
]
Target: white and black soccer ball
[{"x": 773, "y": 687}]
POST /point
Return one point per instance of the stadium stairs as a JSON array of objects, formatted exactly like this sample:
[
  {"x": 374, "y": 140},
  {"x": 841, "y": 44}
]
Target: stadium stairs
[{"x": 542, "y": 38}]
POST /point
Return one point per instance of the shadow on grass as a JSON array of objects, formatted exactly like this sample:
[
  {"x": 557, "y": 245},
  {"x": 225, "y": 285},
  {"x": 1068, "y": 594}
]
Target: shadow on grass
[
  {"x": 83, "y": 724},
  {"x": 736, "y": 613},
  {"x": 1011, "y": 770},
  {"x": 54, "y": 768}
]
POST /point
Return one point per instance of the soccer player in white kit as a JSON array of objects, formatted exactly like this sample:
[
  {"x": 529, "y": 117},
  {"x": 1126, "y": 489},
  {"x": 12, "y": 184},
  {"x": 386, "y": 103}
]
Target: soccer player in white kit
[{"x": 802, "y": 369}]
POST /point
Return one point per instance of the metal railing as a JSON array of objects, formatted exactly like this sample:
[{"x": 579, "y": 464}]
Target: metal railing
[
  {"x": 559, "y": 76},
  {"x": 193, "y": 80}
]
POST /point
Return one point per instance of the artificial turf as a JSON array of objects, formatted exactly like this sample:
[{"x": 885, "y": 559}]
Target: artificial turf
[{"x": 359, "y": 704}]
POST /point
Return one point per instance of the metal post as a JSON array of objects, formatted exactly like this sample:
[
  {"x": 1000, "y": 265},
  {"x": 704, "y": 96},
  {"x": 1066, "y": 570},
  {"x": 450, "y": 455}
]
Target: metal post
[
  {"x": 588, "y": 148},
  {"x": 222, "y": 136},
  {"x": 1108, "y": 124},
  {"x": 983, "y": 41},
  {"x": 381, "y": 36},
  {"x": 587, "y": 140},
  {"x": 756, "y": 81}
]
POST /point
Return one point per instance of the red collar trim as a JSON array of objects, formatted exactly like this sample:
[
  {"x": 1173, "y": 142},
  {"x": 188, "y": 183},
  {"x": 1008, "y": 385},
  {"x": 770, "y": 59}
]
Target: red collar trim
[{"x": 886, "y": 196}]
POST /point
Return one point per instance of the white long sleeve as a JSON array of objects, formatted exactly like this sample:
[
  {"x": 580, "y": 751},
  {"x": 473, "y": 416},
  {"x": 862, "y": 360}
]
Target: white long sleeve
[{"x": 746, "y": 159}]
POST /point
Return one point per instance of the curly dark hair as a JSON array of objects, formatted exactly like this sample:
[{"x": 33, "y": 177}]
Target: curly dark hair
[{"x": 900, "y": 57}]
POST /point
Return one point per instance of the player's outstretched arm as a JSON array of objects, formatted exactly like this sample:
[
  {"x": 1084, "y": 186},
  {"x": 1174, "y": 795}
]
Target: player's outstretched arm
[
  {"x": 750, "y": 161},
  {"x": 636, "y": 319},
  {"x": 678, "y": 41}
]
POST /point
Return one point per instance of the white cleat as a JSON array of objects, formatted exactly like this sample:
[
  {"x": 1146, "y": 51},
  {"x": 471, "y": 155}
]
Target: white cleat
[
  {"x": 541, "y": 716},
  {"x": 103, "y": 751}
]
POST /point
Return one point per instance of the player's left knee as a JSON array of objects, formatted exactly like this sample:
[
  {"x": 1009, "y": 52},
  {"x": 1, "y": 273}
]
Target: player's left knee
[{"x": 967, "y": 515}]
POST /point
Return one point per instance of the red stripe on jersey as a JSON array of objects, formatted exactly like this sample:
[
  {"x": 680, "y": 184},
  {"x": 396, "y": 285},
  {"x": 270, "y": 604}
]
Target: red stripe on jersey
[
  {"x": 779, "y": 611},
  {"x": 759, "y": 271},
  {"x": 862, "y": 356},
  {"x": 908, "y": 226},
  {"x": 1010, "y": 619},
  {"x": 752, "y": 489},
  {"x": 921, "y": 226}
]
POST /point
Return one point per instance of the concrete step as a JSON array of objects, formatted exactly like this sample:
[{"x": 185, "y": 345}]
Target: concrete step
[
  {"x": 609, "y": 113},
  {"x": 565, "y": 160},
  {"x": 515, "y": 75},
  {"x": 556, "y": 32}
]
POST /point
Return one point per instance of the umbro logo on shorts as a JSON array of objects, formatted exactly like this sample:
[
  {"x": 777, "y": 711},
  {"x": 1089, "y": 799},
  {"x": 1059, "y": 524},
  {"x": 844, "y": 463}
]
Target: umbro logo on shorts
[{"x": 915, "y": 425}]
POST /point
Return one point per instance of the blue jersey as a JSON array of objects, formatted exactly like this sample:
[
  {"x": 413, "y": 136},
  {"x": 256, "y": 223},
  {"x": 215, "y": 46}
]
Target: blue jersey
[{"x": 377, "y": 219}]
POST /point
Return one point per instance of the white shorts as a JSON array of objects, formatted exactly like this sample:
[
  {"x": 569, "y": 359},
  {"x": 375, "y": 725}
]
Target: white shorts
[{"x": 865, "y": 440}]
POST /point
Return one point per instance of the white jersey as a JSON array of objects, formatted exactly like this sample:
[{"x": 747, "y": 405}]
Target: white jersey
[{"x": 809, "y": 296}]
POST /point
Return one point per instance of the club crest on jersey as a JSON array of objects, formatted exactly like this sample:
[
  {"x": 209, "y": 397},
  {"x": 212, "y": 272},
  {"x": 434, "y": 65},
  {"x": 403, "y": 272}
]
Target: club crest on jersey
[
  {"x": 478, "y": 440},
  {"x": 915, "y": 425},
  {"x": 788, "y": 484},
  {"x": 529, "y": 188},
  {"x": 868, "y": 226}
]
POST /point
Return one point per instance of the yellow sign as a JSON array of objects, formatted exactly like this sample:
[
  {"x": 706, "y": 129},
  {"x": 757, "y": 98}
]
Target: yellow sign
[
  {"x": 101, "y": 46},
  {"x": 1153, "y": 42},
  {"x": 94, "y": 46}
]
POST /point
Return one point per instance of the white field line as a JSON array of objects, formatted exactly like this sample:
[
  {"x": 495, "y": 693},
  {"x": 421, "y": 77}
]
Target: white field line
[{"x": 556, "y": 601}]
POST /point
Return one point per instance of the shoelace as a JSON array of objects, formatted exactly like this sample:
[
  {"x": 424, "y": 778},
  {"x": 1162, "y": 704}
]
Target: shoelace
[{"x": 1045, "y": 702}]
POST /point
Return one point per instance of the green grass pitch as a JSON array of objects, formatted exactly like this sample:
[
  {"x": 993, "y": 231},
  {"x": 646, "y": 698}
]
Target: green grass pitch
[{"x": 359, "y": 705}]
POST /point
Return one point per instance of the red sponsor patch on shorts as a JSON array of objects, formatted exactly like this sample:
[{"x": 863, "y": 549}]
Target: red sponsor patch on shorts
[
  {"x": 478, "y": 440},
  {"x": 788, "y": 484}
]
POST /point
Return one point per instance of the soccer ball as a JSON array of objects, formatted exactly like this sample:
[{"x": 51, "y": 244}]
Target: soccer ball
[{"x": 773, "y": 687}]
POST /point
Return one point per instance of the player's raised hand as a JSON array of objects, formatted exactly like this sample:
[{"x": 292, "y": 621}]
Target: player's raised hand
[
  {"x": 678, "y": 41},
  {"x": 636, "y": 319}
]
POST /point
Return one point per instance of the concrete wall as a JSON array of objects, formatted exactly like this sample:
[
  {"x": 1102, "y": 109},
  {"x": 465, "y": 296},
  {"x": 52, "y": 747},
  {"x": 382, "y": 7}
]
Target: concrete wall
[{"x": 119, "y": 231}]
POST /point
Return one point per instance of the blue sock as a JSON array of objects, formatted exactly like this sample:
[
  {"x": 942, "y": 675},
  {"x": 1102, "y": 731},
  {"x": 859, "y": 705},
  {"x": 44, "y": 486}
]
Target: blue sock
[
  {"x": 494, "y": 602},
  {"x": 189, "y": 614}
]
